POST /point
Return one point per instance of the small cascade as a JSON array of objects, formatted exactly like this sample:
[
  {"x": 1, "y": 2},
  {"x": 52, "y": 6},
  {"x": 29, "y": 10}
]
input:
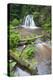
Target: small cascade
[
  {"x": 29, "y": 22},
  {"x": 43, "y": 54}
]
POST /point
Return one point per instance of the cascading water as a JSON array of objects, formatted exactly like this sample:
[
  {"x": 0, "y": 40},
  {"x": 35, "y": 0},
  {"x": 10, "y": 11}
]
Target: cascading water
[
  {"x": 43, "y": 66},
  {"x": 29, "y": 22}
]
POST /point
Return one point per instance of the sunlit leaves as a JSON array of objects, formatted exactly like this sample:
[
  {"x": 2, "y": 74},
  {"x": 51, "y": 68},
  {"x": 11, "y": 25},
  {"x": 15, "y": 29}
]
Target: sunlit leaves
[{"x": 14, "y": 37}]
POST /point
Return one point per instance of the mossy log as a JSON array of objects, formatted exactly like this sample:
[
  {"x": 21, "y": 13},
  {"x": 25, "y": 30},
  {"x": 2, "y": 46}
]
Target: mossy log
[
  {"x": 29, "y": 40},
  {"x": 23, "y": 64}
]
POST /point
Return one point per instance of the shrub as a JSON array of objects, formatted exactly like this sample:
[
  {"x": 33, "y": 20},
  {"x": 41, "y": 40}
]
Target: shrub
[
  {"x": 15, "y": 22},
  {"x": 14, "y": 37},
  {"x": 29, "y": 51}
]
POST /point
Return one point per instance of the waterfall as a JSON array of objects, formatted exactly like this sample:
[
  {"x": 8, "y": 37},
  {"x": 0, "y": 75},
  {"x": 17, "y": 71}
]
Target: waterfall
[{"x": 29, "y": 22}]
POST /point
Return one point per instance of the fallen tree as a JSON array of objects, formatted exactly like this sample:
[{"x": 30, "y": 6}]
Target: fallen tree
[
  {"x": 20, "y": 61},
  {"x": 23, "y": 64},
  {"x": 29, "y": 40}
]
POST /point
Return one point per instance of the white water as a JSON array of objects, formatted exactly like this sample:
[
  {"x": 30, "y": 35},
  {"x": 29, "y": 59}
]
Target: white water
[
  {"x": 42, "y": 67},
  {"x": 29, "y": 22}
]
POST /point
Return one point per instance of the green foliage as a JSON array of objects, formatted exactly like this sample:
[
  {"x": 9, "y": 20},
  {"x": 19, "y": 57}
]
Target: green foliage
[
  {"x": 29, "y": 51},
  {"x": 15, "y": 22},
  {"x": 14, "y": 37},
  {"x": 42, "y": 18},
  {"x": 11, "y": 28},
  {"x": 47, "y": 25},
  {"x": 41, "y": 15}
]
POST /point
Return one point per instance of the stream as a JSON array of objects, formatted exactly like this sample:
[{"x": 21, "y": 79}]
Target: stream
[{"x": 43, "y": 66}]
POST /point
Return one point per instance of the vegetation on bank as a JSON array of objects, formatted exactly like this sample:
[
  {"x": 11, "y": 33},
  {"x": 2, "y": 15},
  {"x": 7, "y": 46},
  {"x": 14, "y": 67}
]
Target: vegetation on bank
[
  {"x": 41, "y": 15},
  {"x": 42, "y": 18}
]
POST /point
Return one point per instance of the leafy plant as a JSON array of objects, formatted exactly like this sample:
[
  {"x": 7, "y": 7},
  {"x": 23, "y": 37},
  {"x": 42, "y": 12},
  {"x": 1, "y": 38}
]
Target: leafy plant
[
  {"x": 28, "y": 51},
  {"x": 15, "y": 22},
  {"x": 14, "y": 37}
]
